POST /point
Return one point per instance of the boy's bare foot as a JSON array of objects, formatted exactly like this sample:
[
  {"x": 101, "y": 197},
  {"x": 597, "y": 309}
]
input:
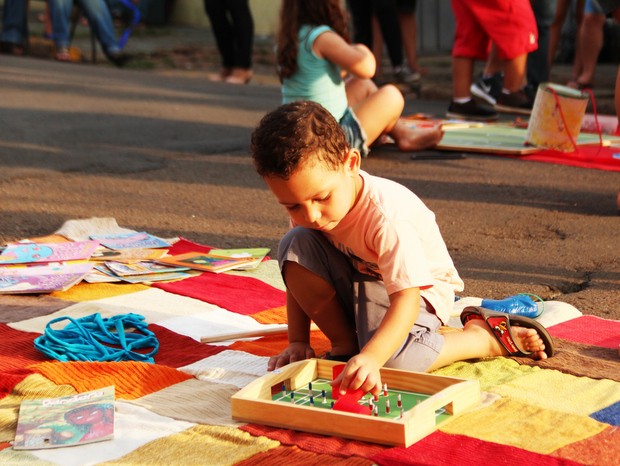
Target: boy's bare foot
[
  {"x": 527, "y": 339},
  {"x": 418, "y": 138}
]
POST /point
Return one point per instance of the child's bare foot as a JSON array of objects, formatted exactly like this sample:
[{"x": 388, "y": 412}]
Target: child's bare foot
[
  {"x": 526, "y": 338},
  {"x": 508, "y": 335},
  {"x": 411, "y": 139}
]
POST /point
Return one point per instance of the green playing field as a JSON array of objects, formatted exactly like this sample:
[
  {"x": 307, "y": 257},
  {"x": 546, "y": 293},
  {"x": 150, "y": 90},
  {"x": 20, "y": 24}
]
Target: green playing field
[
  {"x": 318, "y": 394},
  {"x": 498, "y": 139}
]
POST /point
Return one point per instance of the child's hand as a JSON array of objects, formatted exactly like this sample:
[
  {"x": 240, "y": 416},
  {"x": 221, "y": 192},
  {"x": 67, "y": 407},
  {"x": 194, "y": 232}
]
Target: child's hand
[
  {"x": 360, "y": 372},
  {"x": 294, "y": 352}
]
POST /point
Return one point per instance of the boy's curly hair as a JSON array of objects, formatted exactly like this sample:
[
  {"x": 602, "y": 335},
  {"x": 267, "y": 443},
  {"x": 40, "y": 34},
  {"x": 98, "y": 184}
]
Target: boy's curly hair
[{"x": 296, "y": 133}]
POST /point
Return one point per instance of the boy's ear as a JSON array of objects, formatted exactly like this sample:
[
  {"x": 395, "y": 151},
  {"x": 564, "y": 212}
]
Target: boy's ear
[{"x": 353, "y": 161}]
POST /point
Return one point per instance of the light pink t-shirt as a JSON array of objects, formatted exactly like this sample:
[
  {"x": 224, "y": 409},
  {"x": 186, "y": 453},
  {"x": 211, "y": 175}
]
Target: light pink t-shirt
[{"x": 391, "y": 234}]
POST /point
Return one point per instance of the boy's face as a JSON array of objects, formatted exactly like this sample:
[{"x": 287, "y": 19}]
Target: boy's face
[{"x": 316, "y": 196}]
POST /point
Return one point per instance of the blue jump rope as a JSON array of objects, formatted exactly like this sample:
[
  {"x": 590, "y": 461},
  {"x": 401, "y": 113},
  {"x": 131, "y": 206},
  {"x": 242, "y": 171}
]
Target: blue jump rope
[{"x": 93, "y": 338}]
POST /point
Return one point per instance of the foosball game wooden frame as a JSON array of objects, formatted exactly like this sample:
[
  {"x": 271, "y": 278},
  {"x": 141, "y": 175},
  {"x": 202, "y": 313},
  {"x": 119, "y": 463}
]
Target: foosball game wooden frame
[{"x": 294, "y": 397}]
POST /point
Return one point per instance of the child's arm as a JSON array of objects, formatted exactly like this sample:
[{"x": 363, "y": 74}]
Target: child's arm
[
  {"x": 298, "y": 336},
  {"x": 356, "y": 59},
  {"x": 362, "y": 371}
]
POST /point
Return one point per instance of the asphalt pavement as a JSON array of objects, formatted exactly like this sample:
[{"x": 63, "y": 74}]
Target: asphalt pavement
[{"x": 163, "y": 150}]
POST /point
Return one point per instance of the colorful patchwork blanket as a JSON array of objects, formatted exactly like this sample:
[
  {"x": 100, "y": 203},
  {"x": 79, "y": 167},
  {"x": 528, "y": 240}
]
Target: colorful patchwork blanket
[{"x": 565, "y": 410}]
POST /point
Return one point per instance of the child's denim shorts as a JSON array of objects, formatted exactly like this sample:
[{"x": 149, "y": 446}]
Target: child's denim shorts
[
  {"x": 363, "y": 298},
  {"x": 354, "y": 132}
]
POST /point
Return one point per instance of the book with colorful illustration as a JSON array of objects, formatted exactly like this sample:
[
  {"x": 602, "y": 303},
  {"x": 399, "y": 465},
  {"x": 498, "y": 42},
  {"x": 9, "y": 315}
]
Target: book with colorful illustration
[
  {"x": 256, "y": 254},
  {"x": 123, "y": 269},
  {"x": 42, "y": 278},
  {"x": 102, "y": 274},
  {"x": 127, "y": 255},
  {"x": 139, "y": 240},
  {"x": 30, "y": 253},
  {"x": 65, "y": 421},
  {"x": 208, "y": 262}
]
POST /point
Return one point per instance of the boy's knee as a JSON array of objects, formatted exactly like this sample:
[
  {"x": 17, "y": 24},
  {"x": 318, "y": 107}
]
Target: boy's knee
[{"x": 298, "y": 242}]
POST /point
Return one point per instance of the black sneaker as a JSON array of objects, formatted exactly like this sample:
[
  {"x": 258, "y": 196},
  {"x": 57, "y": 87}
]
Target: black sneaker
[
  {"x": 119, "y": 59},
  {"x": 488, "y": 89},
  {"x": 405, "y": 76},
  {"x": 471, "y": 110},
  {"x": 514, "y": 102}
]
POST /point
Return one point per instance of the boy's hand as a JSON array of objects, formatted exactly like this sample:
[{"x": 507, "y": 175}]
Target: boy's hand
[
  {"x": 294, "y": 352},
  {"x": 360, "y": 372}
]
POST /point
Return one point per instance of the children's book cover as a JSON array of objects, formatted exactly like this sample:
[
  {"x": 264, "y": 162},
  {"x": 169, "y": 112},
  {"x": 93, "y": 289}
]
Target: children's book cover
[
  {"x": 155, "y": 277},
  {"x": 123, "y": 269},
  {"x": 65, "y": 421},
  {"x": 256, "y": 254},
  {"x": 138, "y": 240},
  {"x": 27, "y": 253},
  {"x": 208, "y": 262},
  {"x": 97, "y": 276},
  {"x": 127, "y": 255},
  {"x": 42, "y": 278},
  {"x": 102, "y": 274}
]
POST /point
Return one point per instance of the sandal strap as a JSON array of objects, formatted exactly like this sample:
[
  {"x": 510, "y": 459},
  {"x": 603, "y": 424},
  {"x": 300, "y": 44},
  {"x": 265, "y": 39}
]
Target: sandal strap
[{"x": 500, "y": 326}]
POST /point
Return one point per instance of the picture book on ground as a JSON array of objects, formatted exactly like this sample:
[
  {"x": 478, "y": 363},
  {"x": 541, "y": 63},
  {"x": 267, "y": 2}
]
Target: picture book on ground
[
  {"x": 208, "y": 262},
  {"x": 127, "y": 255},
  {"x": 26, "y": 253},
  {"x": 42, "y": 278},
  {"x": 65, "y": 421},
  {"x": 141, "y": 268},
  {"x": 102, "y": 273},
  {"x": 257, "y": 254},
  {"x": 140, "y": 240}
]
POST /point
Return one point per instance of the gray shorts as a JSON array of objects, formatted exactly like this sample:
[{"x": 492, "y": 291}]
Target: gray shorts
[
  {"x": 356, "y": 137},
  {"x": 363, "y": 298}
]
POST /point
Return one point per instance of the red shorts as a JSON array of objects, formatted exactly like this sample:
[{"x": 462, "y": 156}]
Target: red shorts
[{"x": 510, "y": 24}]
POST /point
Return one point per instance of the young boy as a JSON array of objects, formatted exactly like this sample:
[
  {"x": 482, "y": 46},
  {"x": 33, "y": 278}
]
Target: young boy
[{"x": 364, "y": 260}]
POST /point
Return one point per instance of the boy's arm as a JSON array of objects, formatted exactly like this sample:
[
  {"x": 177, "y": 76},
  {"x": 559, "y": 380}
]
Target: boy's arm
[
  {"x": 298, "y": 336},
  {"x": 356, "y": 59},
  {"x": 362, "y": 371}
]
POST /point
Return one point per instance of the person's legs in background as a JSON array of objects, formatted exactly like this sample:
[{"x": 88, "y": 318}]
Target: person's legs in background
[
  {"x": 503, "y": 82},
  {"x": 100, "y": 21},
  {"x": 538, "y": 60},
  {"x": 555, "y": 30},
  {"x": 60, "y": 10},
  {"x": 361, "y": 18},
  {"x": 243, "y": 36},
  {"x": 376, "y": 22},
  {"x": 488, "y": 85},
  {"x": 386, "y": 12},
  {"x": 463, "y": 105},
  {"x": 233, "y": 30},
  {"x": 471, "y": 43},
  {"x": 514, "y": 39},
  {"x": 590, "y": 38},
  {"x": 13, "y": 37},
  {"x": 409, "y": 31},
  {"x": 223, "y": 34}
]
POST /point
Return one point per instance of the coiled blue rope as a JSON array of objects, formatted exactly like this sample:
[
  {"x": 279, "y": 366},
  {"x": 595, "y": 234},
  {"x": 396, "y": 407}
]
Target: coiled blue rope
[{"x": 93, "y": 338}]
